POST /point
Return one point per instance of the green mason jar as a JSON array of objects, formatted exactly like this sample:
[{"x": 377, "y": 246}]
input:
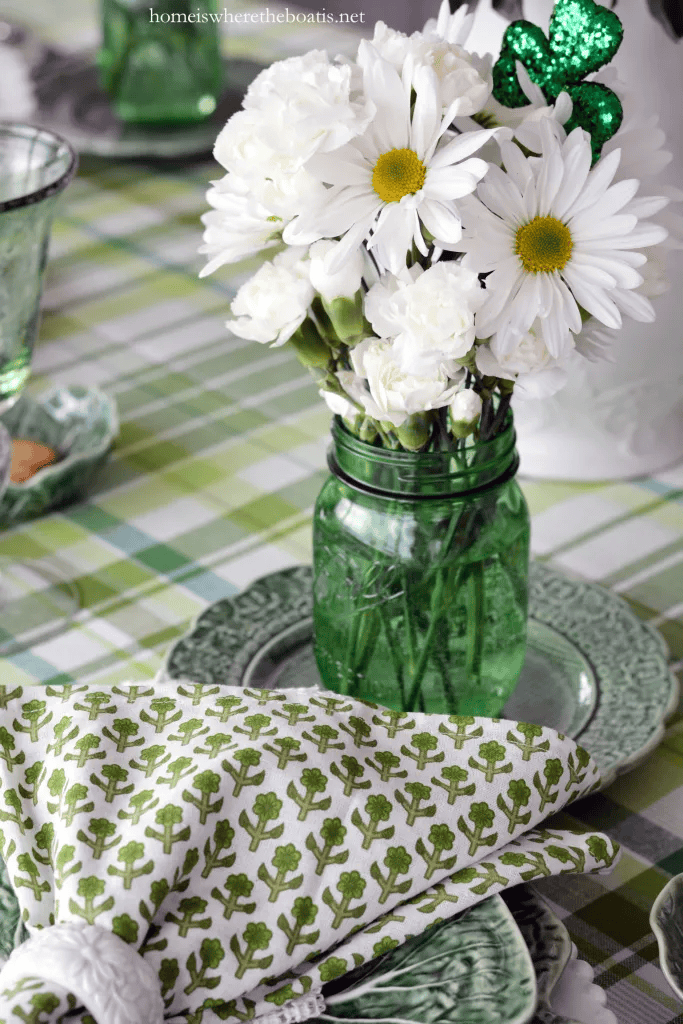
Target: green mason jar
[
  {"x": 160, "y": 60},
  {"x": 420, "y": 567}
]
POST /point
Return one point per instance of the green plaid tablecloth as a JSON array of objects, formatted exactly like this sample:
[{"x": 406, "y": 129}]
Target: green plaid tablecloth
[{"x": 215, "y": 472}]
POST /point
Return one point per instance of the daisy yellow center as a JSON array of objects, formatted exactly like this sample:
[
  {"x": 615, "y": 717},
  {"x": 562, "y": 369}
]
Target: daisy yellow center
[
  {"x": 543, "y": 245},
  {"x": 398, "y": 173}
]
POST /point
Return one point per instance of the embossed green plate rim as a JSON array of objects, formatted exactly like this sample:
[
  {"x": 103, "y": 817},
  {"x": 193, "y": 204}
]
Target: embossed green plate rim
[
  {"x": 629, "y": 661},
  {"x": 666, "y": 921}
]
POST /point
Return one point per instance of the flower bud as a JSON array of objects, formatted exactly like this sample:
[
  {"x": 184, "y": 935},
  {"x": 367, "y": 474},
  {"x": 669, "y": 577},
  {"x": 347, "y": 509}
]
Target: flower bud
[
  {"x": 413, "y": 433},
  {"x": 311, "y": 350},
  {"x": 345, "y": 283},
  {"x": 464, "y": 412},
  {"x": 346, "y": 316}
]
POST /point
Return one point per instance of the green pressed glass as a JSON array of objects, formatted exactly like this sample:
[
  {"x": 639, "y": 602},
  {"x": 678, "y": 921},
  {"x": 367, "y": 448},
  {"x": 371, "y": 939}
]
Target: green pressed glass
[
  {"x": 160, "y": 60},
  {"x": 420, "y": 566},
  {"x": 35, "y": 167}
]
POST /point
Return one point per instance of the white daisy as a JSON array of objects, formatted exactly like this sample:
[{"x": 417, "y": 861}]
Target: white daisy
[
  {"x": 404, "y": 172},
  {"x": 596, "y": 343},
  {"x": 554, "y": 236},
  {"x": 525, "y": 121},
  {"x": 454, "y": 28}
]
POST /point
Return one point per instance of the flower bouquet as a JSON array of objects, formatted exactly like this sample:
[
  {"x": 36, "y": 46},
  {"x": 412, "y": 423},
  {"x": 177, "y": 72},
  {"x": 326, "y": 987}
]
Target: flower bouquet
[{"x": 443, "y": 229}]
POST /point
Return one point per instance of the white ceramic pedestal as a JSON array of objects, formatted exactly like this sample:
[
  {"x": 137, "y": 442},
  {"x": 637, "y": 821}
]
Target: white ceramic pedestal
[{"x": 622, "y": 419}]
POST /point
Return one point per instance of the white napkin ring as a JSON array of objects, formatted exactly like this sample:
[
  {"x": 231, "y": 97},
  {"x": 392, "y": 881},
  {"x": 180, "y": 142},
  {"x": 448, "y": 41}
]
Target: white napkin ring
[{"x": 106, "y": 975}]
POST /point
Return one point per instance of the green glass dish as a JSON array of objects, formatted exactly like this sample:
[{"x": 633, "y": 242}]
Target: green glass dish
[
  {"x": 160, "y": 60},
  {"x": 80, "y": 424},
  {"x": 420, "y": 575}
]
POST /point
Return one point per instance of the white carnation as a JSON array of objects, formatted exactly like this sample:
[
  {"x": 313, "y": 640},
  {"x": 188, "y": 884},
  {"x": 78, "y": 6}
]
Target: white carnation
[
  {"x": 345, "y": 282},
  {"x": 274, "y": 302},
  {"x": 293, "y": 109},
  {"x": 395, "y": 394},
  {"x": 237, "y": 227},
  {"x": 463, "y": 77},
  {"x": 286, "y": 192},
  {"x": 242, "y": 148},
  {"x": 536, "y": 373},
  {"x": 429, "y": 313},
  {"x": 308, "y": 105},
  {"x": 276, "y": 178},
  {"x": 391, "y": 44}
]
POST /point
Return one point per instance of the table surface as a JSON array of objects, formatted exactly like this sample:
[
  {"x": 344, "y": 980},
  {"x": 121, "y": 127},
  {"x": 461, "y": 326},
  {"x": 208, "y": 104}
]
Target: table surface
[{"x": 216, "y": 469}]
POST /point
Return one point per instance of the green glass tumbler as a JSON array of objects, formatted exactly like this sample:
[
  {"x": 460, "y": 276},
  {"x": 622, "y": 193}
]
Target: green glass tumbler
[
  {"x": 420, "y": 575},
  {"x": 160, "y": 60},
  {"x": 35, "y": 167}
]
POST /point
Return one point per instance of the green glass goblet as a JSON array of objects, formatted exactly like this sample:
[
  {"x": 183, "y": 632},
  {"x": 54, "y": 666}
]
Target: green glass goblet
[{"x": 36, "y": 600}]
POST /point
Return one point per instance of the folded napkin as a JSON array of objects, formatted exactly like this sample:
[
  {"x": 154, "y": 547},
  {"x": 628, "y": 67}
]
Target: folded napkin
[{"x": 196, "y": 853}]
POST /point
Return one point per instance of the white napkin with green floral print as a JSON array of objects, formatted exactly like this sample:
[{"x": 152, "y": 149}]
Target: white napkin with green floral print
[{"x": 200, "y": 853}]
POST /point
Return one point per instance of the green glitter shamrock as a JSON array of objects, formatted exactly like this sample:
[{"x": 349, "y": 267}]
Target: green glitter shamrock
[{"x": 582, "y": 38}]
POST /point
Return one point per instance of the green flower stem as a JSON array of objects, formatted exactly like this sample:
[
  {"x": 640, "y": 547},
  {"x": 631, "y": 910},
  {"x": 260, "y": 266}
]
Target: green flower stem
[
  {"x": 437, "y": 609},
  {"x": 393, "y": 650},
  {"x": 389, "y": 441},
  {"x": 421, "y": 666},
  {"x": 408, "y": 626},
  {"x": 349, "y": 667},
  {"x": 442, "y": 656},
  {"x": 475, "y": 620},
  {"x": 501, "y": 413},
  {"x": 366, "y": 638},
  {"x": 361, "y": 644}
]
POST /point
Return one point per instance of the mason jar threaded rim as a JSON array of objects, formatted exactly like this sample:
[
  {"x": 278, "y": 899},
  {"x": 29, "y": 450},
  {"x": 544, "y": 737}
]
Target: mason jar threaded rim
[{"x": 476, "y": 466}]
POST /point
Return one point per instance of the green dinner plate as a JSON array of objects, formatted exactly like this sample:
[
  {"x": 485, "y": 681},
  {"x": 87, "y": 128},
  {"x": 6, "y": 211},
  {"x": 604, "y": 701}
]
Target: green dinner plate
[{"x": 593, "y": 670}]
